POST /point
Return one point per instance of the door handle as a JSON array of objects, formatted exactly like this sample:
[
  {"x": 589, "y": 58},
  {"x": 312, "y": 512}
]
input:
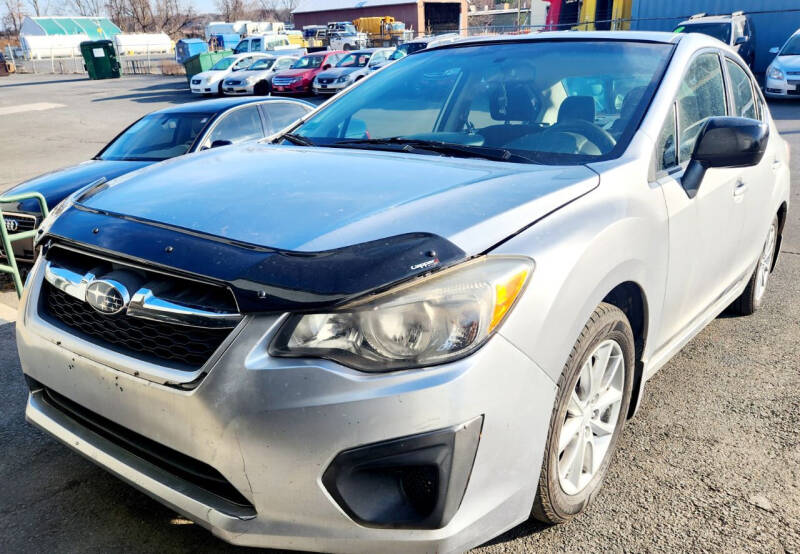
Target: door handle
[
  {"x": 741, "y": 188},
  {"x": 776, "y": 164}
]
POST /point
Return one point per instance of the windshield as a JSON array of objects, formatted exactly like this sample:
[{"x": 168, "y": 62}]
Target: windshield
[
  {"x": 792, "y": 47},
  {"x": 157, "y": 137},
  {"x": 720, "y": 31},
  {"x": 407, "y": 48},
  {"x": 308, "y": 62},
  {"x": 223, "y": 64},
  {"x": 354, "y": 60},
  {"x": 555, "y": 102},
  {"x": 264, "y": 63}
]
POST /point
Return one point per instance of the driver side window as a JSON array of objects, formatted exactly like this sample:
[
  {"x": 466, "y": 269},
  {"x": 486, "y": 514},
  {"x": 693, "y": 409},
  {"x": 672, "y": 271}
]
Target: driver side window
[{"x": 701, "y": 96}]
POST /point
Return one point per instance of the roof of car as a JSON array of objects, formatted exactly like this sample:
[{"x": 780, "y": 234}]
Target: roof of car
[
  {"x": 218, "y": 105},
  {"x": 710, "y": 19},
  {"x": 631, "y": 36}
]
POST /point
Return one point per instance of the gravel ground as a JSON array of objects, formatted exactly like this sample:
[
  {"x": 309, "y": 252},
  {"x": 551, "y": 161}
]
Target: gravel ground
[{"x": 711, "y": 462}]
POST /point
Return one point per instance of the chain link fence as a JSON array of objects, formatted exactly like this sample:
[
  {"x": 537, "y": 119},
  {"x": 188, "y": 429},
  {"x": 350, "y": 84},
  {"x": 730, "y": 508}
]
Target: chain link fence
[{"x": 139, "y": 64}]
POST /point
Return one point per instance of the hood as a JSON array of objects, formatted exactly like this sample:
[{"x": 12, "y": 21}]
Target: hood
[
  {"x": 57, "y": 185},
  {"x": 315, "y": 199},
  {"x": 336, "y": 72},
  {"x": 295, "y": 72},
  {"x": 791, "y": 63},
  {"x": 242, "y": 75},
  {"x": 211, "y": 76}
]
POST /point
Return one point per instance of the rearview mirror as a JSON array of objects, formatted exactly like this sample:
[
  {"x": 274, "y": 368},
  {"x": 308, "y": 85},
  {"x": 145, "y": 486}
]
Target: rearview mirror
[
  {"x": 741, "y": 40},
  {"x": 725, "y": 142},
  {"x": 326, "y": 66},
  {"x": 774, "y": 50}
]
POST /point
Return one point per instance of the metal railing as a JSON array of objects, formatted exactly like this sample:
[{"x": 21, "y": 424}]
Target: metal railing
[
  {"x": 55, "y": 62},
  {"x": 7, "y": 239}
]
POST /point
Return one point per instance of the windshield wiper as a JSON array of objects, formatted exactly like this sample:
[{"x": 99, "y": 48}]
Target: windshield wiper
[
  {"x": 297, "y": 139},
  {"x": 411, "y": 145}
]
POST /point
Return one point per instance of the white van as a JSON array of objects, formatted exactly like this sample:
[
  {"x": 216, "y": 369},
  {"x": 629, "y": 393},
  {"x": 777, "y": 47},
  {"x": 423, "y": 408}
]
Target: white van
[{"x": 263, "y": 43}]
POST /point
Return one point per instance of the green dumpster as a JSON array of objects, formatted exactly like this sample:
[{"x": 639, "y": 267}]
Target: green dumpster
[
  {"x": 203, "y": 62},
  {"x": 100, "y": 59}
]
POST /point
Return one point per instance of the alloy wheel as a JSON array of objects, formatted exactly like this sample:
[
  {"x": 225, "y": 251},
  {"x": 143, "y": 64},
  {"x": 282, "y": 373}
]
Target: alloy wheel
[
  {"x": 591, "y": 417},
  {"x": 765, "y": 262}
]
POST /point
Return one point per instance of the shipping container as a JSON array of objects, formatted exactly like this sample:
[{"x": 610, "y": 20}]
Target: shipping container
[{"x": 777, "y": 19}]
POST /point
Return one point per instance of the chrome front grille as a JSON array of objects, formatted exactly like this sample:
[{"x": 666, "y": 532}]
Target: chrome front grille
[
  {"x": 282, "y": 81},
  {"x": 18, "y": 223},
  {"x": 144, "y": 313},
  {"x": 325, "y": 81}
]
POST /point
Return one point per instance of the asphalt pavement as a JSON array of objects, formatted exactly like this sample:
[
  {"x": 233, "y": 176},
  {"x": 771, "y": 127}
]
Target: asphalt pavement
[{"x": 711, "y": 462}]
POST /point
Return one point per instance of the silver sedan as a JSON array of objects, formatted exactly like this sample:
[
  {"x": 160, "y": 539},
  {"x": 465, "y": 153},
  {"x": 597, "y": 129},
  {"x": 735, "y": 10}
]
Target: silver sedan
[{"x": 424, "y": 313}]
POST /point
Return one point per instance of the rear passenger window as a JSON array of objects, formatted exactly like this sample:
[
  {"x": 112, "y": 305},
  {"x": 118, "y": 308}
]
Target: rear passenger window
[
  {"x": 701, "y": 96},
  {"x": 742, "y": 89},
  {"x": 240, "y": 125}
]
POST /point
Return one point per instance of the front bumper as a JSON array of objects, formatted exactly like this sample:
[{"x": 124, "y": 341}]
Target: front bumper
[
  {"x": 205, "y": 88},
  {"x": 297, "y": 88},
  {"x": 272, "y": 427},
  {"x": 237, "y": 90},
  {"x": 775, "y": 88},
  {"x": 330, "y": 89}
]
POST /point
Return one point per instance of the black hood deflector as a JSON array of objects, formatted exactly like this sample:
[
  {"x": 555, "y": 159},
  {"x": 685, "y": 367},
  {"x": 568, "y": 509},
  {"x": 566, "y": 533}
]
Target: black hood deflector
[{"x": 262, "y": 279}]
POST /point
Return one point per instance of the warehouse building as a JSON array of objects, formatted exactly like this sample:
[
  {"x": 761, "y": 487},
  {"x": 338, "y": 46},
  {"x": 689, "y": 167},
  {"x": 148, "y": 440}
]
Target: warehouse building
[{"x": 423, "y": 16}]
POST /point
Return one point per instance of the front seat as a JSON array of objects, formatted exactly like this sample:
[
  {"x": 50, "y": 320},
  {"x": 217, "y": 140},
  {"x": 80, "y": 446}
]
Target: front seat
[
  {"x": 576, "y": 108},
  {"x": 629, "y": 105},
  {"x": 510, "y": 101}
]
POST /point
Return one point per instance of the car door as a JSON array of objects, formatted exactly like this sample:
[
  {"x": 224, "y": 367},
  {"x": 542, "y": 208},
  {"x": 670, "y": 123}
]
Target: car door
[
  {"x": 238, "y": 125},
  {"x": 704, "y": 231},
  {"x": 756, "y": 183},
  {"x": 280, "y": 114}
]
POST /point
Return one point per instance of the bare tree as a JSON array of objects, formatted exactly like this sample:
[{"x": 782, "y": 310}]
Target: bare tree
[
  {"x": 38, "y": 7},
  {"x": 150, "y": 16},
  {"x": 92, "y": 8},
  {"x": 231, "y": 10},
  {"x": 277, "y": 10},
  {"x": 15, "y": 13}
]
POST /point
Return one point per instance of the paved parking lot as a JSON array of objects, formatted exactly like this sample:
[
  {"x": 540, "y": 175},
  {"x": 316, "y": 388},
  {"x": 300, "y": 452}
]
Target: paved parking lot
[{"x": 712, "y": 461}]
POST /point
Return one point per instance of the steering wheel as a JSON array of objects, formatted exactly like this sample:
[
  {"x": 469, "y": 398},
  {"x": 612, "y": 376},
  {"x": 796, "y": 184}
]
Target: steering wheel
[{"x": 591, "y": 132}]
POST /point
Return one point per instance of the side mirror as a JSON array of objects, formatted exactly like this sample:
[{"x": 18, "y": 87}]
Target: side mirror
[
  {"x": 725, "y": 142},
  {"x": 218, "y": 143},
  {"x": 774, "y": 50},
  {"x": 326, "y": 67},
  {"x": 741, "y": 40}
]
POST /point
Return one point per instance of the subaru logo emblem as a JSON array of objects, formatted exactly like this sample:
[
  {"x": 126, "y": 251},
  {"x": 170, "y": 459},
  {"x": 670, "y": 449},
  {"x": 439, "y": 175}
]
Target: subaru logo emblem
[
  {"x": 107, "y": 297},
  {"x": 12, "y": 225}
]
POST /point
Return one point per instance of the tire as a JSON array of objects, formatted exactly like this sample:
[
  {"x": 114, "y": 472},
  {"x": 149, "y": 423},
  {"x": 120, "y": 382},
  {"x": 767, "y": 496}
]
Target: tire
[
  {"x": 261, "y": 88},
  {"x": 753, "y": 296},
  {"x": 561, "y": 495},
  {"x": 219, "y": 90}
]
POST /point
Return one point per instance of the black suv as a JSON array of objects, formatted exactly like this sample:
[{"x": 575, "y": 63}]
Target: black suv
[{"x": 735, "y": 30}]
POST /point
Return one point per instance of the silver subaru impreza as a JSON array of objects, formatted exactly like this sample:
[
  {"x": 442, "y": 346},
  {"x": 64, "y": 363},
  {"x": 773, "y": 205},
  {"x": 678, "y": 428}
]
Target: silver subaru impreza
[{"x": 423, "y": 313}]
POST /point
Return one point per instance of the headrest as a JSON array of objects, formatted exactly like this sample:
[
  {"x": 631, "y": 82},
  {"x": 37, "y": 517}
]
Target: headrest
[
  {"x": 576, "y": 107},
  {"x": 512, "y": 101}
]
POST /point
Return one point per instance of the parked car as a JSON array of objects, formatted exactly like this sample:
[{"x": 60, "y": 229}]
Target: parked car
[
  {"x": 298, "y": 79},
  {"x": 417, "y": 356},
  {"x": 210, "y": 82},
  {"x": 416, "y": 45},
  {"x": 783, "y": 74},
  {"x": 257, "y": 79},
  {"x": 351, "y": 68},
  {"x": 158, "y": 136},
  {"x": 735, "y": 30},
  {"x": 264, "y": 43}
]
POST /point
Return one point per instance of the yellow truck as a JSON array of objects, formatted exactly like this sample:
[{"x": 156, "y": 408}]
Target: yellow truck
[{"x": 383, "y": 31}]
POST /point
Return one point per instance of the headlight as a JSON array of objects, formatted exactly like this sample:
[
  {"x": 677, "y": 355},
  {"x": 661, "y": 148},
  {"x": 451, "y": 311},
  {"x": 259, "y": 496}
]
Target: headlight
[
  {"x": 775, "y": 73},
  {"x": 343, "y": 79},
  {"x": 52, "y": 215},
  {"x": 431, "y": 321}
]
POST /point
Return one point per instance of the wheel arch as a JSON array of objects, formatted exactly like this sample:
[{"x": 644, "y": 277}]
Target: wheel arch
[{"x": 630, "y": 297}]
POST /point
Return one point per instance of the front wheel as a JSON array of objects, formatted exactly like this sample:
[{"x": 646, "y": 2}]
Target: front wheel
[
  {"x": 261, "y": 88},
  {"x": 591, "y": 405},
  {"x": 753, "y": 296}
]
